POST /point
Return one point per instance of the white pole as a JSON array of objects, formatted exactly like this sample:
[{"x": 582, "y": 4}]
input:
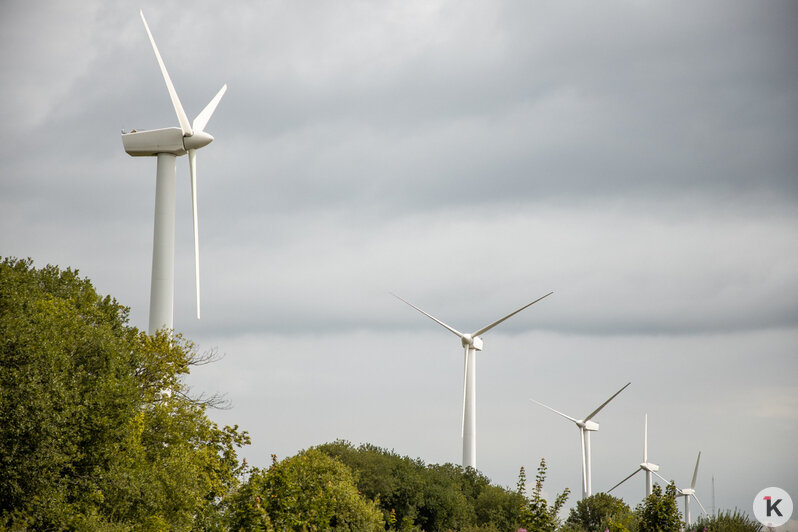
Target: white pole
[
  {"x": 589, "y": 473},
  {"x": 470, "y": 416},
  {"x": 687, "y": 510},
  {"x": 584, "y": 464},
  {"x": 162, "y": 288}
]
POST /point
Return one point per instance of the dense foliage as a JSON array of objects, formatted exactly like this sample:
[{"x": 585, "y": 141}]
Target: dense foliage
[
  {"x": 601, "y": 512},
  {"x": 735, "y": 521},
  {"x": 310, "y": 491},
  {"x": 88, "y": 439},
  {"x": 658, "y": 511},
  {"x": 415, "y": 496}
]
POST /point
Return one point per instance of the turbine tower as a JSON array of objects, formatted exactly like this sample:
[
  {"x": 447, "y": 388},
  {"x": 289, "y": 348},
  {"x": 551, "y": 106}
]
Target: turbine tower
[
  {"x": 471, "y": 343},
  {"x": 648, "y": 467},
  {"x": 690, "y": 492},
  {"x": 167, "y": 144},
  {"x": 586, "y": 426}
]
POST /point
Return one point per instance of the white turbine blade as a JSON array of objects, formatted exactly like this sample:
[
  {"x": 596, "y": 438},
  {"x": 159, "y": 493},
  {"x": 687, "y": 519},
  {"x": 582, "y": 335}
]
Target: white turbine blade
[
  {"x": 202, "y": 119},
  {"x": 624, "y": 480},
  {"x": 597, "y": 410},
  {"x": 699, "y": 504},
  {"x": 495, "y": 323},
  {"x": 695, "y": 473},
  {"x": 192, "y": 163},
  {"x": 181, "y": 114},
  {"x": 433, "y": 318},
  {"x": 645, "y": 440},
  {"x": 556, "y": 411}
]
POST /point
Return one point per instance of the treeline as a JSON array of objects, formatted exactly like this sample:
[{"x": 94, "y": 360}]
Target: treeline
[{"x": 98, "y": 432}]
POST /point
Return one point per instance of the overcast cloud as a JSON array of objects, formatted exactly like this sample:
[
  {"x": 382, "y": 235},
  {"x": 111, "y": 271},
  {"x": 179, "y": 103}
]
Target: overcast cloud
[{"x": 637, "y": 158}]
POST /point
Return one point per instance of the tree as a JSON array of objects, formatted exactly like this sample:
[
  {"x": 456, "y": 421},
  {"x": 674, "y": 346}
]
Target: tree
[
  {"x": 600, "y": 512},
  {"x": 396, "y": 483},
  {"x": 536, "y": 514},
  {"x": 86, "y": 439},
  {"x": 415, "y": 496},
  {"x": 728, "y": 521},
  {"x": 310, "y": 491},
  {"x": 658, "y": 512}
]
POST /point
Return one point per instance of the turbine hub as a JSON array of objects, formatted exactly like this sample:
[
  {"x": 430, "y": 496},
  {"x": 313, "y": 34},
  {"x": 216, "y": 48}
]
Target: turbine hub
[
  {"x": 590, "y": 425},
  {"x": 198, "y": 140}
]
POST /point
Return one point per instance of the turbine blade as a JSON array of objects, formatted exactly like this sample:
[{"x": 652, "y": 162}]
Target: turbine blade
[
  {"x": 695, "y": 473},
  {"x": 636, "y": 471},
  {"x": 662, "y": 478},
  {"x": 181, "y": 114},
  {"x": 645, "y": 440},
  {"x": 433, "y": 318},
  {"x": 495, "y": 323},
  {"x": 597, "y": 410},
  {"x": 699, "y": 504},
  {"x": 192, "y": 163},
  {"x": 202, "y": 119},
  {"x": 555, "y": 411}
]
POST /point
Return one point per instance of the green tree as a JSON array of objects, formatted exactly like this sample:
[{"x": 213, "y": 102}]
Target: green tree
[
  {"x": 729, "y": 521},
  {"x": 600, "y": 512},
  {"x": 310, "y": 491},
  {"x": 86, "y": 439},
  {"x": 658, "y": 512},
  {"x": 536, "y": 513},
  {"x": 395, "y": 482},
  {"x": 415, "y": 496}
]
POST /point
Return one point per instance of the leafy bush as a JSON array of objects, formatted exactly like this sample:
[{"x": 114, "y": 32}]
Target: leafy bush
[{"x": 729, "y": 521}]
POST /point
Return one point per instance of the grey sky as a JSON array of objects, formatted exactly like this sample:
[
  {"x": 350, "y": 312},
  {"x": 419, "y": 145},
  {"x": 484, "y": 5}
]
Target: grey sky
[{"x": 638, "y": 158}]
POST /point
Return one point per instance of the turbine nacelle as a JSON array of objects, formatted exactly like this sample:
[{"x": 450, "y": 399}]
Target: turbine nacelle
[
  {"x": 474, "y": 342},
  {"x": 647, "y": 466},
  {"x": 151, "y": 142},
  {"x": 589, "y": 425}
]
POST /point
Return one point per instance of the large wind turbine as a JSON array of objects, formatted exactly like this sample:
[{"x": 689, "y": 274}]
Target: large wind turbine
[
  {"x": 167, "y": 144},
  {"x": 690, "y": 492},
  {"x": 472, "y": 343},
  {"x": 586, "y": 426},
  {"x": 648, "y": 467}
]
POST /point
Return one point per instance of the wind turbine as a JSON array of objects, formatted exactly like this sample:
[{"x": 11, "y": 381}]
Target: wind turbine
[
  {"x": 646, "y": 466},
  {"x": 690, "y": 492},
  {"x": 472, "y": 343},
  {"x": 167, "y": 144},
  {"x": 586, "y": 426}
]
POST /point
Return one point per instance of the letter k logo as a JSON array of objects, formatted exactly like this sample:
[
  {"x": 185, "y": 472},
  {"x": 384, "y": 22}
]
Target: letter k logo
[{"x": 772, "y": 506}]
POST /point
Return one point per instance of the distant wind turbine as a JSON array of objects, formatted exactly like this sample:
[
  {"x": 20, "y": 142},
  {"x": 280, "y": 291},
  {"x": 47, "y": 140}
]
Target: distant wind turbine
[
  {"x": 690, "y": 492},
  {"x": 167, "y": 144},
  {"x": 648, "y": 467},
  {"x": 472, "y": 343},
  {"x": 586, "y": 426}
]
